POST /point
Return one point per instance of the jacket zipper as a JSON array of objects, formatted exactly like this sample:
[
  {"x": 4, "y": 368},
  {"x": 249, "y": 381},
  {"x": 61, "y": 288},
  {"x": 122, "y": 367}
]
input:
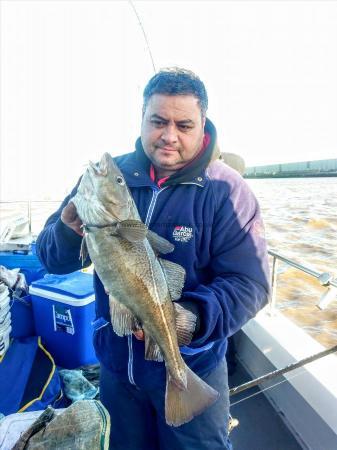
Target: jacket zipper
[
  {"x": 152, "y": 205},
  {"x": 130, "y": 361},
  {"x": 149, "y": 214}
]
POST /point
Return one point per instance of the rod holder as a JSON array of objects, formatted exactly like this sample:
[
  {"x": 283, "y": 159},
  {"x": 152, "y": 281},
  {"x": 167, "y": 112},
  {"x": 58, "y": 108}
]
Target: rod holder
[{"x": 328, "y": 296}]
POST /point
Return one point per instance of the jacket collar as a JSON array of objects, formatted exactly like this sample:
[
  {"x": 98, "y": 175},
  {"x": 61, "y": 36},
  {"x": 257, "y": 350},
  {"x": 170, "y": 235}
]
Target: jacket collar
[{"x": 138, "y": 173}]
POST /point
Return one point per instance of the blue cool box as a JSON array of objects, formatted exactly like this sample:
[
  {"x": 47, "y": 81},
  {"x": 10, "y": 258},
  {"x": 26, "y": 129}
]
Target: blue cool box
[
  {"x": 28, "y": 263},
  {"x": 64, "y": 307}
]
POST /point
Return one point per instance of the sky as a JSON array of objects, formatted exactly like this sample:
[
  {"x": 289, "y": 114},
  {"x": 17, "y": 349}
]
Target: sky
[{"x": 73, "y": 72}]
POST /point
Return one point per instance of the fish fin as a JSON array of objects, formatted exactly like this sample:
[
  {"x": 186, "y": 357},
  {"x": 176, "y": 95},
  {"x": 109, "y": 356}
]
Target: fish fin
[
  {"x": 185, "y": 324},
  {"x": 122, "y": 319},
  {"x": 158, "y": 243},
  {"x": 175, "y": 277},
  {"x": 95, "y": 168},
  {"x": 181, "y": 405},
  {"x": 132, "y": 230},
  {"x": 152, "y": 350},
  {"x": 84, "y": 250},
  {"x": 105, "y": 164}
]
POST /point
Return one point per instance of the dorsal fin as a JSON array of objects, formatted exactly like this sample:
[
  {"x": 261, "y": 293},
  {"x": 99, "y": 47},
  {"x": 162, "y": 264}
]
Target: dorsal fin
[{"x": 175, "y": 277}]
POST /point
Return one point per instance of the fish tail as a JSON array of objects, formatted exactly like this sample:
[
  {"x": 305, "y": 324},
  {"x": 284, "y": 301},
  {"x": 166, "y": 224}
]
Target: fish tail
[{"x": 181, "y": 405}]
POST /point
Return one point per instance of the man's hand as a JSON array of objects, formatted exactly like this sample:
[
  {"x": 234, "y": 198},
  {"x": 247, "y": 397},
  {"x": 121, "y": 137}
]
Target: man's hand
[
  {"x": 139, "y": 334},
  {"x": 70, "y": 218}
]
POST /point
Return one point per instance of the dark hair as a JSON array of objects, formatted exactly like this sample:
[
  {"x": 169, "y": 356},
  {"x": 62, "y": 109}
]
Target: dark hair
[{"x": 176, "y": 81}]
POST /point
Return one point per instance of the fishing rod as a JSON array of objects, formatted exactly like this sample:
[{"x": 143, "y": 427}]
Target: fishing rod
[
  {"x": 144, "y": 34},
  {"x": 278, "y": 372}
]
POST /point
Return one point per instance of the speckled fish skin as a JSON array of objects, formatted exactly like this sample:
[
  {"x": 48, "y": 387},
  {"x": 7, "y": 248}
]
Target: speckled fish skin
[{"x": 133, "y": 276}]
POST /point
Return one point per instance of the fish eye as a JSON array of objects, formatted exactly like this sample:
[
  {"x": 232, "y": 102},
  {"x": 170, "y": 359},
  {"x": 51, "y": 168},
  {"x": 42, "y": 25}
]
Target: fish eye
[{"x": 120, "y": 180}]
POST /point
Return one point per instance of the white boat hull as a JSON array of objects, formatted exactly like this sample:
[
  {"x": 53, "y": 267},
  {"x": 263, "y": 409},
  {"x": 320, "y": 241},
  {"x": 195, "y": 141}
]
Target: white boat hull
[{"x": 307, "y": 400}]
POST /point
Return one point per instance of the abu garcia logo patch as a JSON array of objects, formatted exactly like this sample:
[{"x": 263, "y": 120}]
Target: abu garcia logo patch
[{"x": 182, "y": 234}]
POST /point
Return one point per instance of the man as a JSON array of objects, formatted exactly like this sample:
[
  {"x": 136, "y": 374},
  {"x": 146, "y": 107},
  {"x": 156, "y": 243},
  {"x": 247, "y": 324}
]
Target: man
[{"x": 208, "y": 212}]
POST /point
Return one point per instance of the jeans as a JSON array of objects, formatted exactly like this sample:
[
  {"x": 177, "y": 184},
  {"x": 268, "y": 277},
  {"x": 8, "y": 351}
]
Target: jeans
[{"x": 138, "y": 422}]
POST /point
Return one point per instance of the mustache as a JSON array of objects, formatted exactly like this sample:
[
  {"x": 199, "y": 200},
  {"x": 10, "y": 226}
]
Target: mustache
[{"x": 161, "y": 144}]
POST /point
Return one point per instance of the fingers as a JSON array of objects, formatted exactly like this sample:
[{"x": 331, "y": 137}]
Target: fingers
[
  {"x": 139, "y": 334},
  {"x": 69, "y": 213},
  {"x": 70, "y": 218}
]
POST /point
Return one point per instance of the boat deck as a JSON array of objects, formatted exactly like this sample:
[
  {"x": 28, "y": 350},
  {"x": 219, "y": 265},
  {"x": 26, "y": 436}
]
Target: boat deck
[{"x": 260, "y": 426}]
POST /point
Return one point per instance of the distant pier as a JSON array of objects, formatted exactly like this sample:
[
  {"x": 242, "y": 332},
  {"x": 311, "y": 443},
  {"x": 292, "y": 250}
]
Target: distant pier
[{"x": 320, "y": 168}]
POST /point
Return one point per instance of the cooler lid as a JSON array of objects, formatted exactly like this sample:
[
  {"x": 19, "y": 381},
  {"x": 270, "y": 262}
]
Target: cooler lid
[{"x": 76, "y": 284}]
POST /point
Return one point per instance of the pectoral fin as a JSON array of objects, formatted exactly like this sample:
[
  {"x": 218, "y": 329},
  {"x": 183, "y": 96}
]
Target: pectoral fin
[
  {"x": 158, "y": 243},
  {"x": 175, "y": 277},
  {"x": 84, "y": 250},
  {"x": 132, "y": 230}
]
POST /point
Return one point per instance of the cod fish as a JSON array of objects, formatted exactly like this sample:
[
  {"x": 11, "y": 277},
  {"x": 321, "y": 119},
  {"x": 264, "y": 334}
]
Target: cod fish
[{"x": 140, "y": 284}]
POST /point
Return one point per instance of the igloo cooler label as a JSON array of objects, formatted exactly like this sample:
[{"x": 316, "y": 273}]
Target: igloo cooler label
[{"x": 63, "y": 321}]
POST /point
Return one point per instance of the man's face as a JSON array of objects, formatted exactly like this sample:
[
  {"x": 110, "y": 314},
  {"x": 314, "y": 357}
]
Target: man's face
[{"x": 172, "y": 131}]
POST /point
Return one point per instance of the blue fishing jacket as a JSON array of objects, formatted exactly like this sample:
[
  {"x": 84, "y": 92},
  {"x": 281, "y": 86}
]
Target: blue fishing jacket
[{"x": 209, "y": 213}]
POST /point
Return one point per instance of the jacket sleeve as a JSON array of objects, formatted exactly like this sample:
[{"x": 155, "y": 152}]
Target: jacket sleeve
[
  {"x": 58, "y": 246},
  {"x": 238, "y": 267}
]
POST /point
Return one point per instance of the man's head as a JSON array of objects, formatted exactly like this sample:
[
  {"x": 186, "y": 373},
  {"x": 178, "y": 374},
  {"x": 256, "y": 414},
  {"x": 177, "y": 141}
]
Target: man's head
[
  {"x": 174, "y": 114},
  {"x": 176, "y": 81}
]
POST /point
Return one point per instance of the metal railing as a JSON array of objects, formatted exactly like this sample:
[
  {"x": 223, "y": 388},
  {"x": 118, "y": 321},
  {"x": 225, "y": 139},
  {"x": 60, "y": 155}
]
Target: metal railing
[
  {"x": 326, "y": 279},
  {"x": 28, "y": 206}
]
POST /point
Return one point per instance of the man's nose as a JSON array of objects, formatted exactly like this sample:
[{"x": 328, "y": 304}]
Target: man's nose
[{"x": 169, "y": 134}]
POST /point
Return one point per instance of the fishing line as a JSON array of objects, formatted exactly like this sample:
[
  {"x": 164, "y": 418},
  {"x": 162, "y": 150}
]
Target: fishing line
[
  {"x": 279, "y": 372},
  {"x": 144, "y": 34},
  {"x": 261, "y": 391}
]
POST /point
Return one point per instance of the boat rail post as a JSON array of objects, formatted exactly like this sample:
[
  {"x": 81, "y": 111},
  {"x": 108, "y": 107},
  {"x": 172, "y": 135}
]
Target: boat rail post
[
  {"x": 272, "y": 301},
  {"x": 327, "y": 280},
  {"x": 29, "y": 212}
]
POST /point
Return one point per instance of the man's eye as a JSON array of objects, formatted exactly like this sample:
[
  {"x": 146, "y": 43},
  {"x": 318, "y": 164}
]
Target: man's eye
[
  {"x": 158, "y": 123},
  {"x": 185, "y": 127}
]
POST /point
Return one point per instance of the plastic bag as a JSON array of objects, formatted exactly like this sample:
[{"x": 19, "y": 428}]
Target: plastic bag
[{"x": 84, "y": 425}]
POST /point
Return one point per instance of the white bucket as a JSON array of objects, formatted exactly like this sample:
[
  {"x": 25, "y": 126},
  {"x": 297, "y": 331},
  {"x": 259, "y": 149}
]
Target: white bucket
[
  {"x": 5, "y": 329},
  {"x": 4, "y": 293},
  {"x": 4, "y": 304},
  {"x": 5, "y": 314}
]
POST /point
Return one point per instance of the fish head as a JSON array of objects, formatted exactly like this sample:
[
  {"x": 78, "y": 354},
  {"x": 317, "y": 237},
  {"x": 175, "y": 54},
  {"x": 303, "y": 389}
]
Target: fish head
[{"x": 105, "y": 192}]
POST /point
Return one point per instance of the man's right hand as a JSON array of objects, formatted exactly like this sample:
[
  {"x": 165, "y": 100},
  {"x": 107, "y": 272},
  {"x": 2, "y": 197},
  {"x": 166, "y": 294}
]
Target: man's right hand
[{"x": 70, "y": 218}]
